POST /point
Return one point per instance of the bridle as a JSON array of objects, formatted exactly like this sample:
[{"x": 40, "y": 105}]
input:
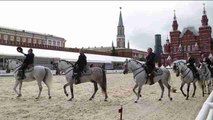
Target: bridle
[
  {"x": 133, "y": 70},
  {"x": 67, "y": 67}
]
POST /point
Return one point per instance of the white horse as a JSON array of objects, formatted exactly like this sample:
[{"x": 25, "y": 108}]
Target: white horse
[
  {"x": 187, "y": 77},
  {"x": 205, "y": 75},
  {"x": 38, "y": 73},
  {"x": 162, "y": 77},
  {"x": 96, "y": 75}
]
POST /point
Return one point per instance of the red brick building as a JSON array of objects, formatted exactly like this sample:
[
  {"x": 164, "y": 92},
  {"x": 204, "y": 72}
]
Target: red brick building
[
  {"x": 14, "y": 37},
  {"x": 189, "y": 40}
]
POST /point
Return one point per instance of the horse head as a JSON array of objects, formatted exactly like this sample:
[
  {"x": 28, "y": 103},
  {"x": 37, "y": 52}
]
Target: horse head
[
  {"x": 177, "y": 67},
  {"x": 132, "y": 65},
  {"x": 12, "y": 64},
  {"x": 63, "y": 65}
]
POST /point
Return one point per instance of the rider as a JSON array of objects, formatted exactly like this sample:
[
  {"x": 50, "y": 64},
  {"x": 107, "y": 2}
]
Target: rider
[
  {"x": 79, "y": 65},
  {"x": 150, "y": 65},
  {"x": 207, "y": 61},
  {"x": 190, "y": 64},
  {"x": 29, "y": 60}
]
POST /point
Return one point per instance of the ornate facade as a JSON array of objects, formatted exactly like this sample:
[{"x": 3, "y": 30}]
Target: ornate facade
[{"x": 188, "y": 40}]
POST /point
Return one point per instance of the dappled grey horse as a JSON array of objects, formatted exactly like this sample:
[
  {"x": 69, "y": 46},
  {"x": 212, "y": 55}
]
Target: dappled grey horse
[
  {"x": 187, "y": 77},
  {"x": 96, "y": 75},
  {"x": 205, "y": 75},
  {"x": 140, "y": 76},
  {"x": 38, "y": 73}
]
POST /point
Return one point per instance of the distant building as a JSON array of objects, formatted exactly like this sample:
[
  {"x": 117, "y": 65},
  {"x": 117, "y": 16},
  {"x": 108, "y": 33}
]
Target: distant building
[
  {"x": 189, "y": 40},
  {"x": 120, "y": 49},
  {"x": 14, "y": 37}
]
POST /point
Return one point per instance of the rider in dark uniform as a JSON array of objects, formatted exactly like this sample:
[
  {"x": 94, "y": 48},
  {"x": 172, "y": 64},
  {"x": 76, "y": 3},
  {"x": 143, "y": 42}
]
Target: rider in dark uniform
[
  {"x": 207, "y": 61},
  {"x": 79, "y": 66},
  {"x": 190, "y": 64},
  {"x": 150, "y": 65},
  {"x": 29, "y": 60}
]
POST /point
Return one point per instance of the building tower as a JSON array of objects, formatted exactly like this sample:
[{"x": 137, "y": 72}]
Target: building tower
[
  {"x": 158, "y": 48},
  {"x": 205, "y": 33},
  {"x": 174, "y": 37},
  {"x": 120, "y": 33}
]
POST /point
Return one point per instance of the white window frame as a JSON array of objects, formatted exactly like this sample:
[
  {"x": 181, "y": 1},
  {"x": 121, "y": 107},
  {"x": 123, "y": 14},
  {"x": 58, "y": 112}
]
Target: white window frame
[
  {"x": 12, "y": 38},
  {"x": 6, "y": 37},
  {"x": 29, "y": 40}
]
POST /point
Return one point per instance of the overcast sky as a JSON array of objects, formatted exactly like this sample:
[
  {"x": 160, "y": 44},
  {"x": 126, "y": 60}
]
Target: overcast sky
[{"x": 93, "y": 23}]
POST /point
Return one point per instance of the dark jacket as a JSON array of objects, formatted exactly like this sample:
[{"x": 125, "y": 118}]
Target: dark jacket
[
  {"x": 29, "y": 58},
  {"x": 82, "y": 61},
  {"x": 190, "y": 61},
  {"x": 150, "y": 60}
]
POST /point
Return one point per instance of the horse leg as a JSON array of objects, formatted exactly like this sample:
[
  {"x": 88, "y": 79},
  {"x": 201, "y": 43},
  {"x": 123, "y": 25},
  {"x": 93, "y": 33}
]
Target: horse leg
[
  {"x": 169, "y": 89},
  {"x": 209, "y": 84},
  {"x": 194, "y": 89},
  {"x": 40, "y": 89},
  {"x": 181, "y": 88},
  {"x": 65, "y": 91},
  {"x": 139, "y": 92},
  {"x": 162, "y": 89},
  {"x": 136, "y": 85},
  {"x": 48, "y": 87},
  {"x": 202, "y": 86},
  {"x": 187, "y": 96},
  {"x": 14, "y": 88},
  {"x": 95, "y": 90},
  {"x": 71, "y": 90},
  {"x": 20, "y": 86}
]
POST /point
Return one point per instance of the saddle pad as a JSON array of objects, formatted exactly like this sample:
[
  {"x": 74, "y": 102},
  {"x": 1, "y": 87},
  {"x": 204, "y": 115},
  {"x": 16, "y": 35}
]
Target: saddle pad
[
  {"x": 158, "y": 72},
  {"x": 88, "y": 72}
]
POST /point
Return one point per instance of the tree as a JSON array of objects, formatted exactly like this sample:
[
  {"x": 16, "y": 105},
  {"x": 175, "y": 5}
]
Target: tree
[{"x": 114, "y": 53}]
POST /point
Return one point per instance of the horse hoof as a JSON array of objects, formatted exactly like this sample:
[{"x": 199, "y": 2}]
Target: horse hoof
[
  {"x": 136, "y": 101},
  {"x": 140, "y": 95},
  {"x": 37, "y": 98},
  {"x": 70, "y": 99},
  {"x": 19, "y": 95},
  {"x": 159, "y": 99},
  {"x": 90, "y": 99},
  {"x": 67, "y": 94},
  {"x": 184, "y": 95},
  {"x": 193, "y": 95},
  {"x": 187, "y": 98},
  {"x": 105, "y": 100},
  {"x": 170, "y": 99},
  {"x": 50, "y": 97}
]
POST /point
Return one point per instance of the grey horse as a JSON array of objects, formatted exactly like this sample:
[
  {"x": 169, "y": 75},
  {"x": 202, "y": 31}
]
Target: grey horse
[
  {"x": 38, "y": 73},
  {"x": 96, "y": 75},
  {"x": 162, "y": 77}
]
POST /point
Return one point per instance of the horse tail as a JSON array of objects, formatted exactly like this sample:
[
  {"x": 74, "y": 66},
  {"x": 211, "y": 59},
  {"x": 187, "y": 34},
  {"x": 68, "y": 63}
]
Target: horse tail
[
  {"x": 48, "y": 77},
  {"x": 104, "y": 82}
]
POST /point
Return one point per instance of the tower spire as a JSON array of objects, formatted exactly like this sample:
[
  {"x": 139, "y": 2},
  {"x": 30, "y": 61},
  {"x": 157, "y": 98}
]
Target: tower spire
[
  {"x": 120, "y": 23},
  {"x": 174, "y": 15},
  {"x": 120, "y": 32},
  {"x": 204, "y": 19},
  {"x": 175, "y": 24},
  {"x": 204, "y": 10}
]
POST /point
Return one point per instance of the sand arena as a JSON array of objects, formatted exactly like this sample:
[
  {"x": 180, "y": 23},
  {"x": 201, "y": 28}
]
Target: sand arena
[{"x": 119, "y": 88}]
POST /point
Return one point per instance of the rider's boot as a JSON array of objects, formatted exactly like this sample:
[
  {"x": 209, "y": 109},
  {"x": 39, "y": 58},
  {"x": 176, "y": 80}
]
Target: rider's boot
[
  {"x": 151, "y": 79},
  {"x": 77, "y": 81},
  {"x": 22, "y": 76}
]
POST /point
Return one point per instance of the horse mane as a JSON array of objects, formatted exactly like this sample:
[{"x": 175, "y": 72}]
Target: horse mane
[
  {"x": 137, "y": 61},
  {"x": 68, "y": 62},
  {"x": 14, "y": 59}
]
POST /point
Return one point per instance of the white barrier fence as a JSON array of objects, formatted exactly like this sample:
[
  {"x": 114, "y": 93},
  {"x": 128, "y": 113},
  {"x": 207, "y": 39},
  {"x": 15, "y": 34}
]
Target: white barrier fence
[{"x": 206, "y": 112}]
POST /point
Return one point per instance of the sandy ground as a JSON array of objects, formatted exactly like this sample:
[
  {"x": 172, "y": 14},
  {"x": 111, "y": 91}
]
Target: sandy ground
[{"x": 119, "y": 91}]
